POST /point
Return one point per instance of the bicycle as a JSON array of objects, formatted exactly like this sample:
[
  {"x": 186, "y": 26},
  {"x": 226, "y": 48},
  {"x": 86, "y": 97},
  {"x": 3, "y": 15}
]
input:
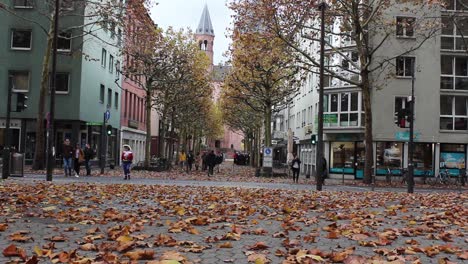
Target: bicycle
[{"x": 441, "y": 178}]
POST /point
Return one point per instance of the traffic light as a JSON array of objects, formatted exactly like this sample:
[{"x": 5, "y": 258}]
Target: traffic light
[
  {"x": 313, "y": 139},
  {"x": 109, "y": 130},
  {"x": 21, "y": 102}
]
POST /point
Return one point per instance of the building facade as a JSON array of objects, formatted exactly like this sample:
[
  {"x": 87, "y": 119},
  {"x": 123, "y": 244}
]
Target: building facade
[
  {"x": 441, "y": 105},
  {"x": 86, "y": 75}
]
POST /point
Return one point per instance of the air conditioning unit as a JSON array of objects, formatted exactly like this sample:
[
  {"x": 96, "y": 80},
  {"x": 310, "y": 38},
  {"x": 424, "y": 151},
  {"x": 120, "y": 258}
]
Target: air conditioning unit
[{"x": 308, "y": 129}]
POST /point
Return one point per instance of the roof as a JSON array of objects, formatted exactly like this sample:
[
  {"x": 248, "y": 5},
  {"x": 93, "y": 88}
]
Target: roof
[{"x": 204, "y": 26}]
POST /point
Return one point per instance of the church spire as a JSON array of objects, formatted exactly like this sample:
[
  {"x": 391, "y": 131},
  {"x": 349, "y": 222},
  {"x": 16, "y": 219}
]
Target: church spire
[{"x": 205, "y": 27}]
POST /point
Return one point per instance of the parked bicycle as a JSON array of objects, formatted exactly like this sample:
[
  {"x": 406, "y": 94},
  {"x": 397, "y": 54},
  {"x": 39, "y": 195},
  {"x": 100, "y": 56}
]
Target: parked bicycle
[{"x": 443, "y": 177}]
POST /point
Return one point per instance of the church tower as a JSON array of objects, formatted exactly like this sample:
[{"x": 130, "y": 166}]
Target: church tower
[{"x": 205, "y": 34}]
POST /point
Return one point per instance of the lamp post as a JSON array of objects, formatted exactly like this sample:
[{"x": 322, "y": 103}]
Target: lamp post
[
  {"x": 410, "y": 179},
  {"x": 319, "y": 156},
  {"x": 50, "y": 129}
]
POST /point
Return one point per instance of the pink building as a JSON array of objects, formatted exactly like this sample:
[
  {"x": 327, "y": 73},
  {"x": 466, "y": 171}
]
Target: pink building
[
  {"x": 205, "y": 37},
  {"x": 133, "y": 117}
]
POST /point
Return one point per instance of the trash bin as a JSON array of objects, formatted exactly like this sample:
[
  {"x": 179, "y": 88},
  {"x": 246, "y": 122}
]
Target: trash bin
[{"x": 17, "y": 165}]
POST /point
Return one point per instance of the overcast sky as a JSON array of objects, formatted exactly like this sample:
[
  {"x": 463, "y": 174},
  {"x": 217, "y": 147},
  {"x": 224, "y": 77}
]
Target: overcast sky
[{"x": 187, "y": 13}]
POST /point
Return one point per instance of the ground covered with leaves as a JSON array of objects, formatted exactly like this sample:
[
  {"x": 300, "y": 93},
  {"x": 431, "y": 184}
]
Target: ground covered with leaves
[{"x": 131, "y": 223}]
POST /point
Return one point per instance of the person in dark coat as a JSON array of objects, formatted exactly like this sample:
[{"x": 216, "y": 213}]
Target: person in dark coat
[
  {"x": 67, "y": 154},
  {"x": 190, "y": 160},
  {"x": 211, "y": 162},
  {"x": 324, "y": 170},
  {"x": 295, "y": 167},
  {"x": 88, "y": 156}
]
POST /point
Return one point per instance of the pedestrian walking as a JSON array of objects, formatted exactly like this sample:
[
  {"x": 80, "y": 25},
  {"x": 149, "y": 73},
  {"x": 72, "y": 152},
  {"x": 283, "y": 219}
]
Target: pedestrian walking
[
  {"x": 88, "y": 156},
  {"x": 190, "y": 160},
  {"x": 198, "y": 161},
  {"x": 211, "y": 162},
  {"x": 182, "y": 159},
  {"x": 324, "y": 170},
  {"x": 127, "y": 159},
  {"x": 78, "y": 158},
  {"x": 295, "y": 167},
  {"x": 67, "y": 154}
]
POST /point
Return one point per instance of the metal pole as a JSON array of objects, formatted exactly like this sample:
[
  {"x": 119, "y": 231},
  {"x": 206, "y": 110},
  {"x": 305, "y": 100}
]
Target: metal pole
[
  {"x": 411, "y": 140},
  {"x": 6, "y": 136},
  {"x": 103, "y": 145},
  {"x": 50, "y": 130},
  {"x": 319, "y": 157}
]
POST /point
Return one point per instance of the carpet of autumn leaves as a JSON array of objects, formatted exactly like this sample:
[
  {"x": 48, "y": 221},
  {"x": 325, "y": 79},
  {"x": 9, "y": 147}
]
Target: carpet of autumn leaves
[{"x": 131, "y": 223}]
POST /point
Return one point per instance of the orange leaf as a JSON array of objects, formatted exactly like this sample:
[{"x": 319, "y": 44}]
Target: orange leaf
[
  {"x": 226, "y": 244},
  {"x": 258, "y": 246}
]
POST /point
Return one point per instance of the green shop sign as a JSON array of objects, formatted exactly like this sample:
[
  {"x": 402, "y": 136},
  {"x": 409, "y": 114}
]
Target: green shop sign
[
  {"x": 328, "y": 119},
  {"x": 94, "y": 123}
]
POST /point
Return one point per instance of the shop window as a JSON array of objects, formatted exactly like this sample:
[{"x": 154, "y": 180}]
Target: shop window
[
  {"x": 389, "y": 156},
  {"x": 342, "y": 157},
  {"x": 452, "y": 157},
  {"x": 423, "y": 159}
]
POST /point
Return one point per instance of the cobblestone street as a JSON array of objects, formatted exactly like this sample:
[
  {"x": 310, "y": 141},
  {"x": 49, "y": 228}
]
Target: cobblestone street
[{"x": 99, "y": 219}]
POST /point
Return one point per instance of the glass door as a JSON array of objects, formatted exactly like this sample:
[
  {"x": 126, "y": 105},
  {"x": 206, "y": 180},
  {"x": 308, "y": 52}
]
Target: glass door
[{"x": 360, "y": 157}]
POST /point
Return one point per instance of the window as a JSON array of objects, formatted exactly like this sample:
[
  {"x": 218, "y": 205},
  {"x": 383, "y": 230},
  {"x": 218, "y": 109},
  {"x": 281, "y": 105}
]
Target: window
[
  {"x": 63, "y": 82},
  {"x": 389, "y": 156},
  {"x": 405, "y": 26},
  {"x": 103, "y": 58},
  {"x": 404, "y": 66},
  {"x": 455, "y": 5},
  {"x": 111, "y": 64},
  {"x": 109, "y": 98},
  {"x": 19, "y": 81},
  {"x": 454, "y": 73},
  {"x": 23, "y": 3},
  {"x": 454, "y": 33},
  {"x": 101, "y": 94},
  {"x": 64, "y": 42},
  {"x": 453, "y": 112},
  {"x": 116, "y": 100},
  {"x": 21, "y": 39},
  {"x": 117, "y": 69},
  {"x": 119, "y": 37},
  {"x": 341, "y": 110},
  {"x": 401, "y": 105},
  {"x": 67, "y": 5}
]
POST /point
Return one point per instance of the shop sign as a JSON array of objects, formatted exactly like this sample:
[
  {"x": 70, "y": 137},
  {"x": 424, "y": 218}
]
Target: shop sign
[
  {"x": 94, "y": 123},
  {"x": 404, "y": 136},
  {"x": 327, "y": 119}
]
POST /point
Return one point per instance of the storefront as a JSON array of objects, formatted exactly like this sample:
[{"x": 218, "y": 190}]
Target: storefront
[
  {"x": 347, "y": 157},
  {"x": 452, "y": 157},
  {"x": 389, "y": 156},
  {"x": 423, "y": 159}
]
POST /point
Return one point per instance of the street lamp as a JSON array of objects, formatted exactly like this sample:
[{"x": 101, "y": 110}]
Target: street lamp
[
  {"x": 410, "y": 179},
  {"x": 319, "y": 156},
  {"x": 50, "y": 128}
]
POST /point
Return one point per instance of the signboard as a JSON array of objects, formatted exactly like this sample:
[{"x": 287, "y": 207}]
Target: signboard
[
  {"x": 267, "y": 157},
  {"x": 107, "y": 115},
  {"x": 274, "y": 142},
  {"x": 404, "y": 136},
  {"x": 94, "y": 123}
]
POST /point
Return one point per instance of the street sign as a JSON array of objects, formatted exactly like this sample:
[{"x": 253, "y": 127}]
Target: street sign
[
  {"x": 107, "y": 115},
  {"x": 267, "y": 157}
]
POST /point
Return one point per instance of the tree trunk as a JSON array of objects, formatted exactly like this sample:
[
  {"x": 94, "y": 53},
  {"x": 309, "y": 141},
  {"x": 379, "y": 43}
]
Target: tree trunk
[
  {"x": 148, "y": 127},
  {"x": 162, "y": 136},
  {"x": 171, "y": 146},
  {"x": 368, "y": 141},
  {"x": 39, "y": 153}
]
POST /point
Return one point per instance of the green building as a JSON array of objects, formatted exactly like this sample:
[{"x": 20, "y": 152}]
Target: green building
[{"x": 88, "y": 83}]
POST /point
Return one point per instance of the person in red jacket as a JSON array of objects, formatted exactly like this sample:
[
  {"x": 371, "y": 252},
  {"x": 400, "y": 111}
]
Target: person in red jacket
[{"x": 127, "y": 159}]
